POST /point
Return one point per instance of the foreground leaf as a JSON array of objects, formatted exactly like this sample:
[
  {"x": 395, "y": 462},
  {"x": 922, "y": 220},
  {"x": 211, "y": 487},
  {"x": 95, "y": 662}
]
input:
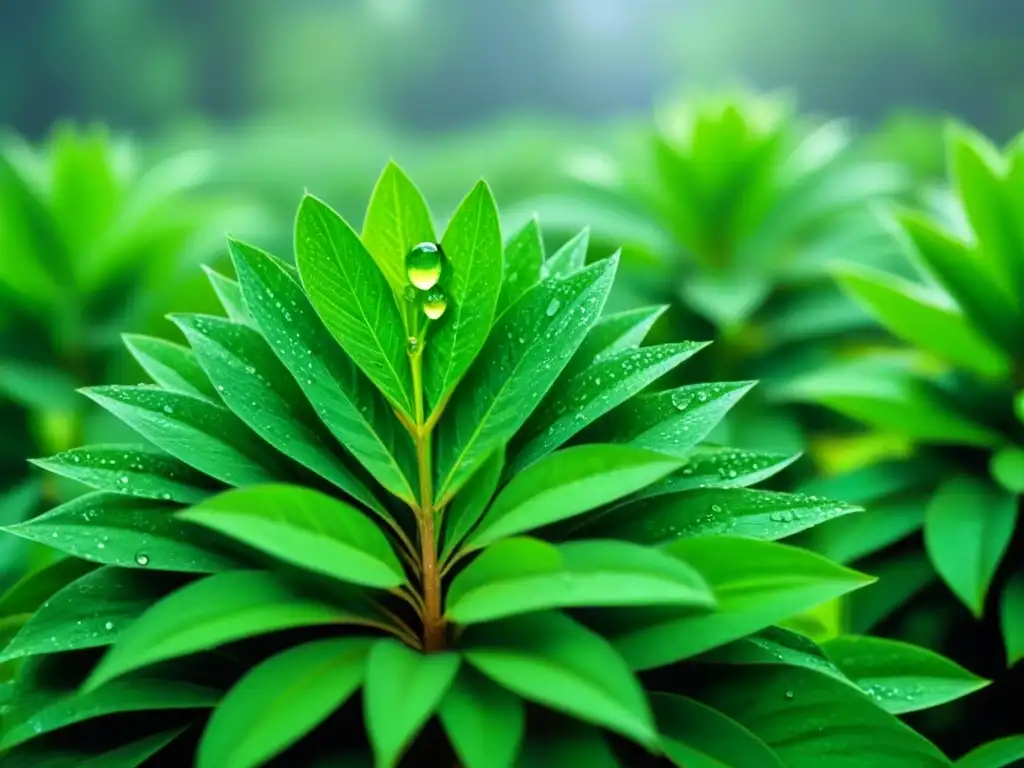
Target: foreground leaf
[
  {"x": 470, "y": 503},
  {"x": 484, "y": 722},
  {"x": 170, "y": 365},
  {"x": 524, "y": 254},
  {"x": 1001, "y": 753}
]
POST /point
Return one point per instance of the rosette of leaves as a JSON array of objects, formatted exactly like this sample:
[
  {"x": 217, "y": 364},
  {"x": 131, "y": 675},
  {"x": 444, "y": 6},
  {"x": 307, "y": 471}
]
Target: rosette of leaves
[
  {"x": 91, "y": 242},
  {"x": 729, "y": 210},
  {"x": 943, "y": 526},
  {"x": 366, "y": 531}
]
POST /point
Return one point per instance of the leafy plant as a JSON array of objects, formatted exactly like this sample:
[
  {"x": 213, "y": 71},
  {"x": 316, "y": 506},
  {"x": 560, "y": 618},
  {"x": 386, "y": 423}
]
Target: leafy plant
[
  {"x": 951, "y": 511},
  {"x": 416, "y": 502}
]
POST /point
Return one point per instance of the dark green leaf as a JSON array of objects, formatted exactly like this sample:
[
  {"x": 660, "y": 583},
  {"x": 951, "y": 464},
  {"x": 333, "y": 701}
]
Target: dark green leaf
[
  {"x": 1011, "y": 606},
  {"x": 904, "y": 576},
  {"x": 775, "y": 645},
  {"x": 230, "y": 296},
  {"x": 170, "y": 365},
  {"x": 571, "y": 743},
  {"x": 469, "y": 504},
  {"x": 280, "y": 700},
  {"x": 524, "y": 255},
  {"x": 569, "y": 258},
  {"x": 353, "y": 298},
  {"x": 403, "y": 689},
  {"x": 611, "y": 334},
  {"x": 35, "y": 587},
  {"x": 305, "y": 528},
  {"x": 1001, "y": 753},
  {"x": 856, "y": 536},
  {"x": 484, "y": 722}
]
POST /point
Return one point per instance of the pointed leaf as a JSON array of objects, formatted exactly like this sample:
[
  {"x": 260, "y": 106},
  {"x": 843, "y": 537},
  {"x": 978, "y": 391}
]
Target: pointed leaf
[
  {"x": 521, "y": 265},
  {"x": 131, "y": 755},
  {"x": 353, "y": 298},
  {"x": 1012, "y": 618},
  {"x": 230, "y": 296},
  {"x": 170, "y": 365},
  {"x": 570, "y": 258},
  {"x": 403, "y": 689},
  {"x": 881, "y": 525},
  {"x": 775, "y": 645},
  {"x": 484, "y": 722},
  {"x": 280, "y": 700},
  {"x": 1001, "y": 753},
  {"x": 305, "y": 528},
  {"x": 713, "y": 466},
  {"x": 469, "y": 504},
  {"x": 611, "y": 334}
]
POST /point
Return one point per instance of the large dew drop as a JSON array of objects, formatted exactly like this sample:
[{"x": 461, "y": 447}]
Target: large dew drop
[
  {"x": 423, "y": 265},
  {"x": 435, "y": 303}
]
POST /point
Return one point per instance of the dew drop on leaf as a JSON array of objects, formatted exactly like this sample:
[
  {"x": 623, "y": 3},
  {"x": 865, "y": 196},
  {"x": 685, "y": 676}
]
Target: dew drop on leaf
[
  {"x": 552, "y": 307},
  {"x": 413, "y": 344},
  {"x": 423, "y": 265},
  {"x": 141, "y": 558},
  {"x": 435, "y": 303},
  {"x": 168, "y": 409}
]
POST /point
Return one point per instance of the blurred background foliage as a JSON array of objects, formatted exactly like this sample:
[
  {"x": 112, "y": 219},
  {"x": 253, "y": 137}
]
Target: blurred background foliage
[{"x": 736, "y": 150}]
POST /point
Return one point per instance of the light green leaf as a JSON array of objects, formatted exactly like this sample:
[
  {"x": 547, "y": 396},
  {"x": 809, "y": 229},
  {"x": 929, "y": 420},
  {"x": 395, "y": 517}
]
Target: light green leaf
[
  {"x": 549, "y": 659},
  {"x": 696, "y": 736},
  {"x": 136, "y": 470},
  {"x": 900, "y": 677},
  {"x": 522, "y": 575},
  {"x": 396, "y": 220},
  {"x": 257, "y": 387},
  {"x": 343, "y": 397},
  {"x": 967, "y": 528},
  {"x": 41, "y": 387},
  {"x": 84, "y": 192},
  {"x": 229, "y": 294},
  {"x": 469, "y": 504},
  {"x": 570, "y": 258},
  {"x": 280, "y": 700},
  {"x": 472, "y": 245},
  {"x": 568, "y": 483},
  {"x": 1001, "y": 753},
  {"x": 305, "y": 528},
  {"x": 353, "y": 298},
  {"x": 126, "y": 532},
  {"x": 572, "y": 405},
  {"x": 521, "y": 265},
  {"x": 170, "y": 365},
  {"x": 1011, "y": 606},
  {"x": 209, "y": 437},
  {"x": 484, "y": 722},
  {"x": 527, "y": 349},
  {"x": 403, "y": 689},
  {"x": 1007, "y": 469},
  {"x": 714, "y": 466},
  {"x": 217, "y": 610},
  {"x": 612, "y": 334},
  {"x": 757, "y": 583}
]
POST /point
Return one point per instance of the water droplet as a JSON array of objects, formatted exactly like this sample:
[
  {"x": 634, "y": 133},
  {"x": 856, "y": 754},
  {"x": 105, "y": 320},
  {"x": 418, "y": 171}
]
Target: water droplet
[
  {"x": 435, "y": 303},
  {"x": 141, "y": 558},
  {"x": 123, "y": 479},
  {"x": 423, "y": 265},
  {"x": 168, "y": 409},
  {"x": 409, "y": 292},
  {"x": 790, "y": 694},
  {"x": 412, "y": 344},
  {"x": 552, "y": 307},
  {"x": 108, "y": 626},
  {"x": 681, "y": 400},
  {"x": 100, "y": 545}
]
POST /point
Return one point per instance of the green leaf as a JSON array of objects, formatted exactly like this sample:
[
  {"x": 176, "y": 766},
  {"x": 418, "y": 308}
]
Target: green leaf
[
  {"x": 1012, "y": 614},
  {"x": 343, "y": 397},
  {"x": 775, "y": 645},
  {"x": 90, "y": 612},
  {"x": 968, "y": 526},
  {"x": 612, "y": 334},
  {"x": 170, "y": 365},
  {"x": 39, "y": 387},
  {"x": 1001, "y": 753},
  {"x": 881, "y": 525},
  {"x": 484, "y": 722},
  {"x": 258, "y": 388},
  {"x": 1007, "y": 469},
  {"x": 521, "y": 265},
  {"x": 470, "y": 503},
  {"x": 214, "y": 611},
  {"x": 571, "y": 406},
  {"x": 521, "y": 575},
  {"x": 131, "y": 755},
  {"x": 900, "y": 677},
  {"x": 570, "y": 742},
  {"x": 714, "y": 466},
  {"x": 694, "y": 735},
  {"x": 305, "y": 528},
  {"x": 129, "y": 695},
  {"x": 472, "y": 245},
  {"x": 230, "y": 296},
  {"x": 280, "y": 700},
  {"x": 757, "y": 583},
  {"x": 810, "y": 720},
  {"x": 35, "y": 587},
  {"x": 135, "y": 470},
  {"x": 208, "y": 437},
  {"x": 754, "y": 514},
  {"x": 127, "y": 532},
  {"x": 85, "y": 193},
  {"x": 924, "y": 318},
  {"x": 403, "y": 689},
  {"x": 396, "y": 220},
  {"x": 904, "y": 576},
  {"x": 670, "y": 422},
  {"x": 568, "y": 483},
  {"x": 527, "y": 349},
  {"x": 353, "y": 298},
  {"x": 551, "y": 660},
  {"x": 569, "y": 258}
]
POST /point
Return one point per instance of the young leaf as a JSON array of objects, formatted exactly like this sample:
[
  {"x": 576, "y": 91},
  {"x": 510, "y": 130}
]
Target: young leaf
[
  {"x": 230, "y": 296},
  {"x": 521, "y": 265},
  {"x": 206, "y": 614},
  {"x": 403, "y": 689},
  {"x": 396, "y": 220},
  {"x": 305, "y": 528},
  {"x": 1001, "y": 753},
  {"x": 126, "y": 532},
  {"x": 714, "y": 466},
  {"x": 472, "y": 244},
  {"x": 549, "y": 659},
  {"x": 569, "y": 258},
  {"x": 522, "y": 575},
  {"x": 208, "y": 437},
  {"x": 135, "y": 470},
  {"x": 967, "y": 528},
  {"x": 527, "y": 349},
  {"x": 612, "y": 334},
  {"x": 484, "y": 722},
  {"x": 280, "y": 700},
  {"x": 568, "y": 483},
  {"x": 353, "y": 299},
  {"x": 470, "y": 503},
  {"x": 343, "y": 397},
  {"x": 900, "y": 677},
  {"x": 170, "y": 365},
  {"x": 1012, "y": 618}
]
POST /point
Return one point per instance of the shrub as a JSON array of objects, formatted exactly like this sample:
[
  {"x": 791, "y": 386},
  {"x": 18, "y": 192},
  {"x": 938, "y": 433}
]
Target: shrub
[{"x": 410, "y": 480}]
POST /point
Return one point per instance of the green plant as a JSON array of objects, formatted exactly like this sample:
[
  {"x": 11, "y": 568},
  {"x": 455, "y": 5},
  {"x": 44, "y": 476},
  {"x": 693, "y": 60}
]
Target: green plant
[
  {"x": 954, "y": 387},
  {"x": 455, "y": 496}
]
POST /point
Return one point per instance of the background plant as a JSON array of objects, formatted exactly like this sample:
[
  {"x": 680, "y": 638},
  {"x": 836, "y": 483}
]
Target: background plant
[{"x": 402, "y": 482}]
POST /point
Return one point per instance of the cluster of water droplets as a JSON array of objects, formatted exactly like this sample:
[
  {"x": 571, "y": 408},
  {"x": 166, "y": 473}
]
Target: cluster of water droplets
[{"x": 423, "y": 267}]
